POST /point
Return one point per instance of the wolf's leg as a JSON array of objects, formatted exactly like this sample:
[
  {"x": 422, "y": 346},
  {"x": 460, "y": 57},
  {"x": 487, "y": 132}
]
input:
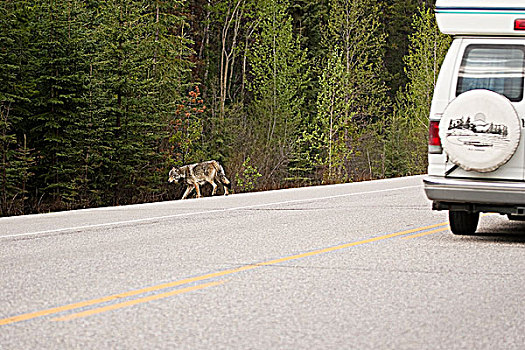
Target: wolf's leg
[
  {"x": 198, "y": 190},
  {"x": 214, "y": 185},
  {"x": 225, "y": 190},
  {"x": 220, "y": 176},
  {"x": 187, "y": 192}
]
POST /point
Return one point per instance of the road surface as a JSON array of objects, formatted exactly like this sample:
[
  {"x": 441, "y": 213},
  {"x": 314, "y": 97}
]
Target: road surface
[{"x": 357, "y": 266}]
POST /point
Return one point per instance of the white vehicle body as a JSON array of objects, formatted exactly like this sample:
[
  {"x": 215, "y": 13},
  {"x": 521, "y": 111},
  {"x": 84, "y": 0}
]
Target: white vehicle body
[{"x": 478, "y": 162}]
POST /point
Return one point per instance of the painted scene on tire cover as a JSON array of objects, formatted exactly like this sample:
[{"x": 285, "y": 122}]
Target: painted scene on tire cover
[{"x": 477, "y": 133}]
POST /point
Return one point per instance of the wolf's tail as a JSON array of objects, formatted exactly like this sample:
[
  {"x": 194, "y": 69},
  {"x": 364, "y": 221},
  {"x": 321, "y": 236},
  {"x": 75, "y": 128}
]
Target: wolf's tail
[{"x": 221, "y": 175}]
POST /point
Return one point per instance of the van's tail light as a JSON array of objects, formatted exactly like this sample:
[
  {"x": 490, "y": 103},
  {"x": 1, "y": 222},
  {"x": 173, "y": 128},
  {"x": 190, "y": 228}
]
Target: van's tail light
[
  {"x": 434, "y": 142},
  {"x": 519, "y": 24}
]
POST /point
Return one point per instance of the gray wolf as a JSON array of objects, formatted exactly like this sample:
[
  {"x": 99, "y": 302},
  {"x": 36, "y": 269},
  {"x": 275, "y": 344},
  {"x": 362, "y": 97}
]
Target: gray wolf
[{"x": 197, "y": 174}]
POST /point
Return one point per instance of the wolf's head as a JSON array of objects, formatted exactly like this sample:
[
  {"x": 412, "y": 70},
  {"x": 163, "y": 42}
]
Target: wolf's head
[{"x": 175, "y": 175}]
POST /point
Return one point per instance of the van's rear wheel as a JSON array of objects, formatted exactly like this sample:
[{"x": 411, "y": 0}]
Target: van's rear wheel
[{"x": 463, "y": 222}]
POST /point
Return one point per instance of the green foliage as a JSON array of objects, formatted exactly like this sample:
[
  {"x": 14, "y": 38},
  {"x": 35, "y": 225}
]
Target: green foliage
[
  {"x": 138, "y": 79},
  {"x": 101, "y": 80},
  {"x": 327, "y": 139},
  {"x": 398, "y": 15},
  {"x": 279, "y": 75},
  {"x": 99, "y": 99},
  {"x": 246, "y": 180},
  {"x": 187, "y": 130},
  {"x": 406, "y": 152},
  {"x": 16, "y": 158},
  {"x": 352, "y": 92}
]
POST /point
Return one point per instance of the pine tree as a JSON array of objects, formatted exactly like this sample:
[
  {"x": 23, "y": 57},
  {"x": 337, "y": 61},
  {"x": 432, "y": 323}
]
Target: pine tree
[
  {"x": 57, "y": 70},
  {"x": 407, "y": 131},
  {"x": 169, "y": 87},
  {"x": 279, "y": 77},
  {"x": 15, "y": 92},
  {"x": 352, "y": 92},
  {"x": 98, "y": 99},
  {"x": 397, "y": 16},
  {"x": 332, "y": 126},
  {"x": 139, "y": 78}
]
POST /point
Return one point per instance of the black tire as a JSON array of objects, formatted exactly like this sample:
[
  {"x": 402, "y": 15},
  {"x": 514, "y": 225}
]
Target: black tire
[{"x": 463, "y": 222}]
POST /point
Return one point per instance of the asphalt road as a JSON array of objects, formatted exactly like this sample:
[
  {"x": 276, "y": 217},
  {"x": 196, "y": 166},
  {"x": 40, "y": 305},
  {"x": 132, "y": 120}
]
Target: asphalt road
[{"x": 358, "y": 266}]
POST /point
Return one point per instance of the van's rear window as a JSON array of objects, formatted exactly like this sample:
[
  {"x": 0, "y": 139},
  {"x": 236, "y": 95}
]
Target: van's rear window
[{"x": 499, "y": 68}]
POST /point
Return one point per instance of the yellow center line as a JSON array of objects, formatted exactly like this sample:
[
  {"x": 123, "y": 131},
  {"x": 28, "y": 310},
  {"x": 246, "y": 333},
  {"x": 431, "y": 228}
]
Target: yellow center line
[
  {"x": 55, "y": 310},
  {"x": 347, "y": 245},
  {"x": 136, "y": 301},
  {"x": 425, "y": 233},
  {"x": 78, "y": 305}
]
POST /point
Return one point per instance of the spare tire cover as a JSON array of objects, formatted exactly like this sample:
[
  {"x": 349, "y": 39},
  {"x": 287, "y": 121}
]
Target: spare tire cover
[{"x": 480, "y": 130}]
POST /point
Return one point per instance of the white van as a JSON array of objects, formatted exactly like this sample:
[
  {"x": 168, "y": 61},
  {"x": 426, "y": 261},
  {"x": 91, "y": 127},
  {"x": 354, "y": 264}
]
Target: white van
[{"x": 477, "y": 118}]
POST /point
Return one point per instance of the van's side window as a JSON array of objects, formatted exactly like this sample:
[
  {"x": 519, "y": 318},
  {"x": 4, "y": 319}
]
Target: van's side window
[{"x": 499, "y": 68}]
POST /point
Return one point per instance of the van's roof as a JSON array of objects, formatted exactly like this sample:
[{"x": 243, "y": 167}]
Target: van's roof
[
  {"x": 480, "y": 17},
  {"x": 481, "y": 3}
]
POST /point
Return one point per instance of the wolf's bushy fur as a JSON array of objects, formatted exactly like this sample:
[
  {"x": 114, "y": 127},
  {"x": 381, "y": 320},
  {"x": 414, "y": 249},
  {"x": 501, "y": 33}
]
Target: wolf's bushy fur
[{"x": 197, "y": 174}]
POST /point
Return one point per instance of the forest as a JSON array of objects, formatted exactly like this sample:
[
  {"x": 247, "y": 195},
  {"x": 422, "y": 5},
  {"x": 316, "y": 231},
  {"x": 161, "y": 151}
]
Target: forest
[{"x": 99, "y": 99}]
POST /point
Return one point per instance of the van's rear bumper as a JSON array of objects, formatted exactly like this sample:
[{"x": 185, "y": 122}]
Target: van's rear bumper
[{"x": 453, "y": 190}]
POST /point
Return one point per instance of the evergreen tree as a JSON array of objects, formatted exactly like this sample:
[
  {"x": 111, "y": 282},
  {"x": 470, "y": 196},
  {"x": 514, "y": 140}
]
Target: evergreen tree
[
  {"x": 352, "y": 91},
  {"x": 98, "y": 99},
  {"x": 59, "y": 77},
  {"x": 279, "y": 77},
  {"x": 398, "y": 28},
  {"x": 16, "y": 91},
  {"x": 169, "y": 87},
  {"x": 309, "y": 19},
  {"x": 407, "y": 132},
  {"x": 12, "y": 34},
  {"x": 327, "y": 137},
  {"x": 137, "y": 66}
]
